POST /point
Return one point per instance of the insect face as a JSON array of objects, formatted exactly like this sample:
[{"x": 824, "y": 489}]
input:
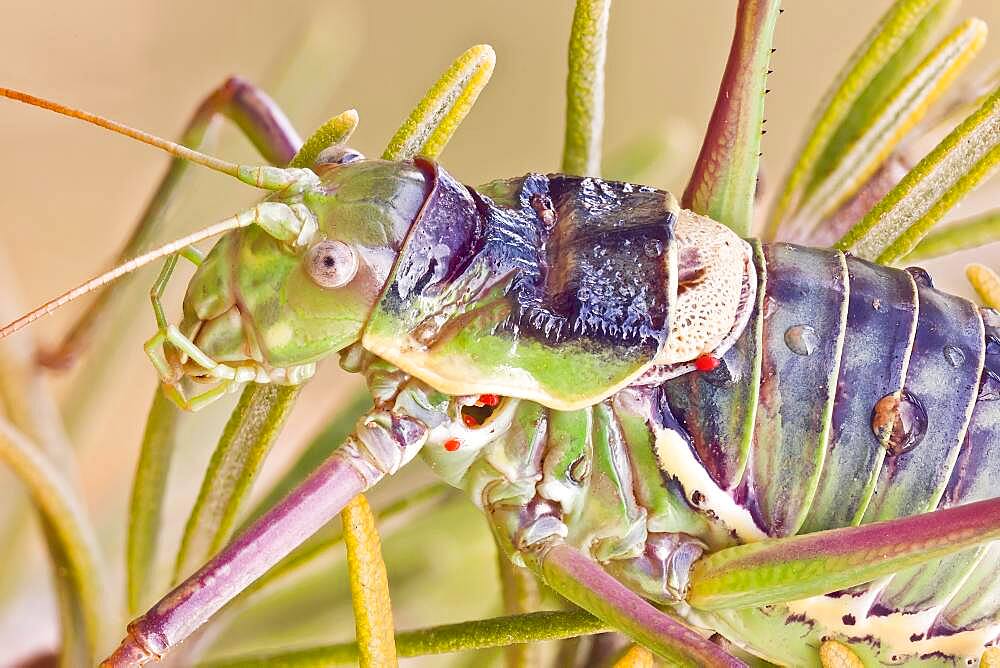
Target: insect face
[{"x": 273, "y": 306}]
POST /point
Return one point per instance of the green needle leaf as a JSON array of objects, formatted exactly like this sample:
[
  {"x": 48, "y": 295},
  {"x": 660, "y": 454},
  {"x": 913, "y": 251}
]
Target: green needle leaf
[
  {"x": 148, "y": 488},
  {"x": 245, "y": 442},
  {"x": 886, "y": 82},
  {"x": 72, "y": 546},
  {"x": 32, "y": 416},
  {"x": 320, "y": 544},
  {"x": 963, "y": 235},
  {"x": 724, "y": 180},
  {"x": 520, "y": 592},
  {"x": 956, "y": 166},
  {"x": 476, "y": 634},
  {"x": 879, "y": 47},
  {"x": 588, "y": 43},
  {"x": 436, "y": 117},
  {"x": 340, "y": 426},
  {"x": 369, "y": 586},
  {"x": 898, "y": 115},
  {"x": 336, "y": 131},
  {"x": 986, "y": 283}
]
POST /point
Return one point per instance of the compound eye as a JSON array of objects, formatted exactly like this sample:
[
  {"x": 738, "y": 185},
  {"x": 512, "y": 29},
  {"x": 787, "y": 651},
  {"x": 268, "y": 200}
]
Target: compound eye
[
  {"x": 334, "y": 156},
  {"x": 331, "y": 264}
]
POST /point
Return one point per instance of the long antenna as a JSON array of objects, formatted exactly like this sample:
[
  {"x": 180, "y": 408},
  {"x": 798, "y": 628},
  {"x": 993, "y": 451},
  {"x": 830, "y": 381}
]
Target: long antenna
[
  {"x": 174, "y": 149},
  {"x": 243, "y": 219}
]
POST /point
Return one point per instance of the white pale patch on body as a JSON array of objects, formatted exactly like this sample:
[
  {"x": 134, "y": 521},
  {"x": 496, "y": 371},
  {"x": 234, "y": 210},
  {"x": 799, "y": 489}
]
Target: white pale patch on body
[
  {"x": 452, "y": 466},
  {"x": 893, "y": 631},
  {"x": 706, "y": 316},
  {"x": 278, "y": 335},
  {"x": 676, "y": 458}
]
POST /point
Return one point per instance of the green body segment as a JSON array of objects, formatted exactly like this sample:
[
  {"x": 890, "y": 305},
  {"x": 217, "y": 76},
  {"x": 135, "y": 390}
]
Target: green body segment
[
  {"x": 664, "y": 498},
  {"x": 805, "y": 314},
  {"x": 610, "y": 520},
  {"x": 592, "y": 476}
]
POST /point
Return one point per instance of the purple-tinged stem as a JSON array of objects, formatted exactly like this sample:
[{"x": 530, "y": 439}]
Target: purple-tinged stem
[
  {"x": 251, "y": 554},
  {"x": 813, "y": 564},
  {"x": 584, "y": 582},
  {"x": 724, "y": 179}
]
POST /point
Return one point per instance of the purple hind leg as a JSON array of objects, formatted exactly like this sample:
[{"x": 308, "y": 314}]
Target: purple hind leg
[
  {"x": 535, "y": 534},
  {"x": 382, "y": 443},
  {"x": 582, "y": 581},
  {"x": 263, "y": 123}
]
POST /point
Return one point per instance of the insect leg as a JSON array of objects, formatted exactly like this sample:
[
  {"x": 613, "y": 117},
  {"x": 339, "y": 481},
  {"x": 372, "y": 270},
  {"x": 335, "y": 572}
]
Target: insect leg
[
  {"x": 582, "y": 581},
  {"x": 382, "y": 443},
  {"x": 786, "y": 569},
  {"x": 263, "y": 123}
]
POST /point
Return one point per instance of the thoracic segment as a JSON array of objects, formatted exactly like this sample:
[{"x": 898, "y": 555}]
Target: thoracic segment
[
  {"x": 496, "y": 290},
  {"x": 716, "y": 286}
]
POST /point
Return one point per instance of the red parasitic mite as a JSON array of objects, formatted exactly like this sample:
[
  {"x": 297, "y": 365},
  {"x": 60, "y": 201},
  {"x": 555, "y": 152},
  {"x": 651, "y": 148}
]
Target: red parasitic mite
[
  {"x": 706, "y": 362},
  {"x": 470, "y": 421},
  {"x": 452, "y": 444},
  {"x": 490, "y": 400}
]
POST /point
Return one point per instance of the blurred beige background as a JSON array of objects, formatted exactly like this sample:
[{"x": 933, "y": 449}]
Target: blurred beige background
[{"x": 71, "y": 192}]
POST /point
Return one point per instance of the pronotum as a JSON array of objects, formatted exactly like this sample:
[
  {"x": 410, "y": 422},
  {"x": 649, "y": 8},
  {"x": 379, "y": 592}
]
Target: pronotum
[{"x": 652, "y": 412}]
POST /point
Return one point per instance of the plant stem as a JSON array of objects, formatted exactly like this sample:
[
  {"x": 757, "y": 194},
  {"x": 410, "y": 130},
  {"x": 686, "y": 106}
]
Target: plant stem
[
  {"x": 247, "y": 439},
  {"x": 477, "y": 634},
  {"x": 588, "y": 43},
  {"x": 369, "y": 586},
  {"x": 148, "y": 488}
]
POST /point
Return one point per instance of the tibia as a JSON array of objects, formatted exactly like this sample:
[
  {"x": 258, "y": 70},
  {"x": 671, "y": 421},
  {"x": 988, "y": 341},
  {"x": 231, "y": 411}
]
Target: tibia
[{"x": 786, "y": 569}]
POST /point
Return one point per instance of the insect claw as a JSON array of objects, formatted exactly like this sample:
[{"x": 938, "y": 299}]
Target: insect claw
[
  {"x": 199, "y": 401},
  {"x": 154, "y": 347},
  {"x": 294, "y": 224},
  {"x": 309, "y": 224},
  {"x": 300, "y": 374}
]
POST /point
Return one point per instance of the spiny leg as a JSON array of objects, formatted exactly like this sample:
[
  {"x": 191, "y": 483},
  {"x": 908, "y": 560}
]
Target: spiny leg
[
  {"x": 263, "y": 123},
  {"x": 584, "y": 582},
  {"x": 786, "y": 569},
  {"x": 382, "y": 443}
]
